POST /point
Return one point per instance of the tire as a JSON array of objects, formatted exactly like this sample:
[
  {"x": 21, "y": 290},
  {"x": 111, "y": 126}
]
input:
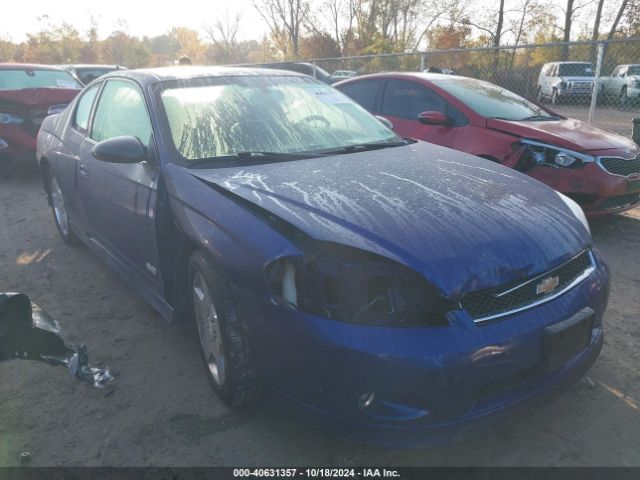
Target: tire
[
  {"x": 59, "y": 210},
  {"x": 555, "y": 97},
  {"x": 623, "y": 99},
  {"x": 223, "y": 333}
]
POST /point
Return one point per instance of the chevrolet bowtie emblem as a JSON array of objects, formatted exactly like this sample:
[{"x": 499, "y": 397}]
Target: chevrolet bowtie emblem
[{"x": 547, "y": 285}]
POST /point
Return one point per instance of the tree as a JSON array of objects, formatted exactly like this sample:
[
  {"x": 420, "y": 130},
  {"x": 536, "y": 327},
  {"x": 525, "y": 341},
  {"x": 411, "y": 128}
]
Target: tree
[
  {"x": 616, "y": 22},
  {"x": 8, "y": 50},
  {"x": 186, "y": 43},
  {"x": 285, "y": 19},
  {"x": 319, "y": 45},
  {"x": 223, "y": 33}
]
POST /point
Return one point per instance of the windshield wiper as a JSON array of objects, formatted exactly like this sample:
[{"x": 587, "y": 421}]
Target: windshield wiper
[
  {"x": 540, "y": 117},
  {"x": 363, "y": 147},
  {"x": 252, "y": 155}
]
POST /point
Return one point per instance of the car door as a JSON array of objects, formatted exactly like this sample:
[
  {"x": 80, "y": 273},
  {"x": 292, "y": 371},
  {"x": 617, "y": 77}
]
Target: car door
[
  {"x": 549, "y": 80},
  {"x": 404, "y": 100},
  {"x": 67, "y": 158},
  {"x": 120, "y": 198}
]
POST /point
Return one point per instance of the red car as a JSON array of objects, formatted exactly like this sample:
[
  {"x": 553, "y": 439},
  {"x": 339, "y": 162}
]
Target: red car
[
  {"x": 597, "y": 169},
  {"x": 28, "y": 93}
]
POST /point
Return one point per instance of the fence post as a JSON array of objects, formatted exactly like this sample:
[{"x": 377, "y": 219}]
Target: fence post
[
  {"x": 423, "y": 61},
  {"x": 315, "y": 71},
  {"x": 596, "y": 82}
]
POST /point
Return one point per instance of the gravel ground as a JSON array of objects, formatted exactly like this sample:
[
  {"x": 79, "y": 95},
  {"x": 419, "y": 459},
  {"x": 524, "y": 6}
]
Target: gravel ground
[
  {"x": 162, "y": 411},
  {"x": 607, "y": 117}
]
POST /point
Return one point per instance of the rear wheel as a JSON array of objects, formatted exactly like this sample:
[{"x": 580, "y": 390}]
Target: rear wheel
[
  {"x": 60, "y": 212},
  {"x": 223, "y": 334},
  {"x": 623, "y": 99}
]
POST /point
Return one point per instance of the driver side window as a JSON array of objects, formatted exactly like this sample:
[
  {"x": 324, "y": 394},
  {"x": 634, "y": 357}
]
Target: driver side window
[
  {"x": 407, "y": 100},
  {"x": 121, "y": 111}
]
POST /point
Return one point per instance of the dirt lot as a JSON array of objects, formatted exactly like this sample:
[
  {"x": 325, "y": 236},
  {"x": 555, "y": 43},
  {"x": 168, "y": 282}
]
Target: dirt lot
[{"x": 162, "y": 411}]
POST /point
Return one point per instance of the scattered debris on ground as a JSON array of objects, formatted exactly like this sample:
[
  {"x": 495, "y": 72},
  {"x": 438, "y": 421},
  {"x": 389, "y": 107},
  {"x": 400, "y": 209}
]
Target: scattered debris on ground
[{"x": 28, "y": 333}]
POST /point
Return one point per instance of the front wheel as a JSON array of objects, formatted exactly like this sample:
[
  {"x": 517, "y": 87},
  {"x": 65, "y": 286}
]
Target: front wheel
[
  {"x": 223, "y": 334},
  {"x": 60, "y": 212}
]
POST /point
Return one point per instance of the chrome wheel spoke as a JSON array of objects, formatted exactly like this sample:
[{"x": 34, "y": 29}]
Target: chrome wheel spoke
[
  {"x": 59, "y": 208},
  {"x": 208, "y": 328}
]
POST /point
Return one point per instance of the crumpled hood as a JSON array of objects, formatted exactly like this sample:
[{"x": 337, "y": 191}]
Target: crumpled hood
[
  {"x": 567, "y": 133},
  {"x": 463, "y": 222},
  {"x": 37, "y": 97}
]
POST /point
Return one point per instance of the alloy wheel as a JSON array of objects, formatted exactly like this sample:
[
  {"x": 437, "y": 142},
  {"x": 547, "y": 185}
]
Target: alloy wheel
[
  {"x": 59, "y": 207},
  {"x": 209, "y": 330}
]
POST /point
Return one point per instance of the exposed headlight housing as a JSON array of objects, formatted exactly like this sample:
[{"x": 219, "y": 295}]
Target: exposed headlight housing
[
  {"x": 537, "y": 153},
  {"x": 10, "y": 119},
  {"x": 346, "y": 284},
  {"x": 577, "y": 211}
]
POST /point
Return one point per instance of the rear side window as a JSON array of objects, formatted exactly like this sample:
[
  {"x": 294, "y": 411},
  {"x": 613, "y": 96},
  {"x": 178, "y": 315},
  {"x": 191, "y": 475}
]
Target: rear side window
[
  {"x": 83, "y": 110},
  {"x": 363, "y": 92},
  {"x": 407, "y": 100},
  {"x": 121, "y": 111}
]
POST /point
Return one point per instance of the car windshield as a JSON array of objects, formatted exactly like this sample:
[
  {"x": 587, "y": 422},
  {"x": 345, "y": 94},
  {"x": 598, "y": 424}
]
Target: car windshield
[
  {"x": 222, "y": 117},
  {"x": 28, "y": 78},
  {"x": 575, "y": 70},
  {"x": 634, "y": 70},
  {"x": 492, "y": 101}
]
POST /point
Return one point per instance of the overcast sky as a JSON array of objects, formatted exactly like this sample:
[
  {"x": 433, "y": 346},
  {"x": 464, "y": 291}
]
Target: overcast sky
[{"x": 142, "y": 17}]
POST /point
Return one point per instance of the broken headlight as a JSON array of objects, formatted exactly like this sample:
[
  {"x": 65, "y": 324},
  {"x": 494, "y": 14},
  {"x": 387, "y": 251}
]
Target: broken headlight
[
  {"x": 538, "y": 154},
  {"x": 350, "y": 285}
]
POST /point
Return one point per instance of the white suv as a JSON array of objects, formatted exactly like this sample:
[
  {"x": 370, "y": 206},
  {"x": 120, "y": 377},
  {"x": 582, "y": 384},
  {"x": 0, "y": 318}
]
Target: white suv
[{"x": 561, "y": 80}]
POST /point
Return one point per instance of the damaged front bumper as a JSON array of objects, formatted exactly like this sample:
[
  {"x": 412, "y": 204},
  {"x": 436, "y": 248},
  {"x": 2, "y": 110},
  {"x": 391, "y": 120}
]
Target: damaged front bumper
[{"x": 409, "y": 387}]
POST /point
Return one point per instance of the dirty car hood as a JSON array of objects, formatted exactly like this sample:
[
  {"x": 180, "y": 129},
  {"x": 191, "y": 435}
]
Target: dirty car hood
[
  {"x": 465, "y": 223},
  {"x": 566, "y": 133}
]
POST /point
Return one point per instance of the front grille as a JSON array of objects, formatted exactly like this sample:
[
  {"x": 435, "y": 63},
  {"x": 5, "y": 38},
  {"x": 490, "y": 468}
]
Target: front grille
[
  {"x": 494, "y": 302},
  {"x": 580, "y": 86},
  {"x": 620, "y": 201},
  {"x": 621, "y": 166}
]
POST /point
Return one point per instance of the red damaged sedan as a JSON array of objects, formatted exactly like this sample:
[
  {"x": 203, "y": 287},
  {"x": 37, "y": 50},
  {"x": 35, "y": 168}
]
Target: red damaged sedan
[
  {"x": 28, "y": 93},
  {"x": 597, "y": 169}
]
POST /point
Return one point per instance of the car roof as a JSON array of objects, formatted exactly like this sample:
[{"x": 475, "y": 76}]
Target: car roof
[
  {"x": 428, "y": 76},
  {"x": 148, "y": 76},
  {"x": 29, "y": 66},
  {"x": 91, "y": 65}
]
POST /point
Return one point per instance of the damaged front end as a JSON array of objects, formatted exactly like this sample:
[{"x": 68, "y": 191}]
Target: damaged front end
[
  {"x": 27, "y": 332},
  {"x": 351, "y": 285},
  {"x": 527, "y": 154}
]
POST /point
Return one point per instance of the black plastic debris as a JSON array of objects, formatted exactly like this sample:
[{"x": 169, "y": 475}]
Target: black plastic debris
[{"x": 27, "y": 332}]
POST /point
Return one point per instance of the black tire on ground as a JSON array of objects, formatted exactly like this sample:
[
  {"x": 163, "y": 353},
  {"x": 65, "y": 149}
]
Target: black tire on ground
[
  {"x": 624, "y": 99},
  {"x": 235, "y": 380},
  {"x": 59, "y": 210}
]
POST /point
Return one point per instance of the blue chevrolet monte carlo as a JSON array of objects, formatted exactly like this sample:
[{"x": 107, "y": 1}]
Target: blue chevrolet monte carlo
[{"x": 401, "y": 292}]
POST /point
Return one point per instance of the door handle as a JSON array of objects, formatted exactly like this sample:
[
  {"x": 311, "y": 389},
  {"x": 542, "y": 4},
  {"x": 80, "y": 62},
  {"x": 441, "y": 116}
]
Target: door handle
[{"x": 83, "y": 169}]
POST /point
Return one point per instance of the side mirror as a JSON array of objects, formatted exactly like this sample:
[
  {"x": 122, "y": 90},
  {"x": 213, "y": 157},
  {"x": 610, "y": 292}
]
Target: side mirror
[
  {"x": 433, "y": 118},
  {"x": 385, "y": 121},
  {"x": 126, "y": 149}
]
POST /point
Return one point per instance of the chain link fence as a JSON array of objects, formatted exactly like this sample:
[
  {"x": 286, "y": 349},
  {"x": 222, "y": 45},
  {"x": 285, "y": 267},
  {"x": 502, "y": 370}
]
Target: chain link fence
[{"x": 597, "y": 82}]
